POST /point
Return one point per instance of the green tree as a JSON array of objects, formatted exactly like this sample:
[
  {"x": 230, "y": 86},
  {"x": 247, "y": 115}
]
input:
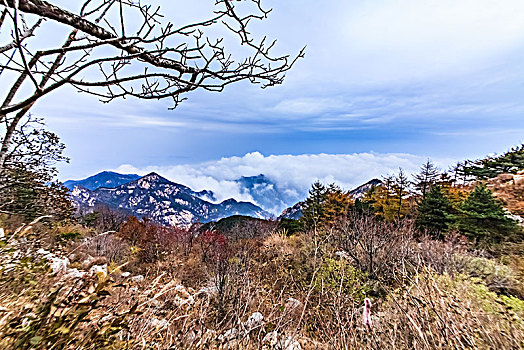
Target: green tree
[
  {"x": 427, "y": 176},
  {"x": 313, "y": 210},
  {"x": 435, "y": 212},
  {"x": 483, "y": 220}
]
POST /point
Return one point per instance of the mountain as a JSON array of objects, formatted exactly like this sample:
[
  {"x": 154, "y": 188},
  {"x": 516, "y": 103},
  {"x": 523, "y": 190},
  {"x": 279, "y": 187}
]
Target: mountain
[
  {"x": 295, "y": 212},
  {"x": 360, "y": 191},
  {"x": 163, "y": 201},
  {"x": 104, "y": 179},
  {"x": 266, "y": 193}
]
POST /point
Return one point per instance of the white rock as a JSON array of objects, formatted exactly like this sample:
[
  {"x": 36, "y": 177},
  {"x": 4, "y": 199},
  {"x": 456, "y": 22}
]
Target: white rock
[
  {"x": 125, "y": 274},
  {"x": 292, "y": 304},
  {"x": 256, "y": 320},
  {"x": 42, "y": 251},
  {"x": 182, "y": 297},
  {"x": 342, "y": 254},
  {"x": 290, "y": 344},
  {"x": 159, "y": 324},
  {"x": 2, "y": 232},
  {"x": 271, "y": 339},
  {"x": 208, "y": 290},
  {"x": 229, "y": 335},
  {"x": 58, "y": 265},
  {"x": 137, "y": 278},
  {"x": 74, "y": 273},
  {"x": 100, "y": 270}
]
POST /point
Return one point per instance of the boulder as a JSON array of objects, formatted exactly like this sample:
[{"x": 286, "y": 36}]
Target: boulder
[
  {"x": 137, "y": 279},
  {"x": 256, "y": 320}
]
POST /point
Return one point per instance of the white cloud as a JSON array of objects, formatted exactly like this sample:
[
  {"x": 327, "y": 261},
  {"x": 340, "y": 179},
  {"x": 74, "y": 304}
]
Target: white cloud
[
  {"x": 307, "y": 106},
  {"x": 293, "y": 174}
]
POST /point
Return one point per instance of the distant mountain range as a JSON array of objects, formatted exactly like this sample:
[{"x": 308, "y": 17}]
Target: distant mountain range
[
  {"x": 159, "y": 199},
  {"x": 171, "y": 203}
]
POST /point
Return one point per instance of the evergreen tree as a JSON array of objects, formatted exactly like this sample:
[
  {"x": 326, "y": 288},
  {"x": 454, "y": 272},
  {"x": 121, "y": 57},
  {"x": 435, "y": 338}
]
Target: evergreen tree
[
  {"x": 401, "y": 190},
  {"x": 483, "y": 219},
  {"x": 313, "y": 210},
  {"x": 427, "y": 176},
  {"x": 435, "y": 212}
]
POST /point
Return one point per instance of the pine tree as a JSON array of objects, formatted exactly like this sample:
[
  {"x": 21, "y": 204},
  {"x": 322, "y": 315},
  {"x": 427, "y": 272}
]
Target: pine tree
[
  {"x": 313, "y": 210},
  {"x": 427, "y": 176},
  {"x": 401, "y": 190},
  {"x": 483, "y": 219},
  {"x": 435, "y": 212}
]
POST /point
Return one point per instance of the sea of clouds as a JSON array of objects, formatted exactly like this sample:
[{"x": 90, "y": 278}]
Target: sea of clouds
[{"x": 291, "y": 174}]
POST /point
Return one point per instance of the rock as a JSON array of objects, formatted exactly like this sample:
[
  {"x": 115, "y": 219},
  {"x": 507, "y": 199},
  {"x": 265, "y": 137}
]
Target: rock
[
  {"x": 289, "y": 343},
  {"x": 210, "y": 291},
  {"x": 160, "y": 324},
  {"x": 292, "y": 304},
  {"x": 42, "y": 251},
  {"x": 125, "y": 274},
  {"x": 342, "y": 254},
  {"x": 74, "y": 274},
  {"x": 2, "y": 233},
  {"x": 505, "y": 177},
  {"x": 58, "y": 265},
  {"x": 137, "y": 278},
  {"x": 229, "y": 335},
  {"x": 99, "y": 270},
  {"x": 182, "y": 296},
  {"x": 518, "y": 179},
  {"x": 270, "y": 340},
  {"x": 256, "y": 320}
]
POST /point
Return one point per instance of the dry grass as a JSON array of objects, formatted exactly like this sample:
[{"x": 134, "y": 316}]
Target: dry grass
[{"x": 195, "y": 295}]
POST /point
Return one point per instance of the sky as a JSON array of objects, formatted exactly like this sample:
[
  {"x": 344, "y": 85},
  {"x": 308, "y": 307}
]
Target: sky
[{"x": 384, "y": 84}]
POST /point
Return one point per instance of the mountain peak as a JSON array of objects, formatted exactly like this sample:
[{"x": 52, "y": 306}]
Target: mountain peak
[
  {"x": 152, "y": 176},
  {"x": 107, "y": 179},
  {"x": 361, "y": 190}
]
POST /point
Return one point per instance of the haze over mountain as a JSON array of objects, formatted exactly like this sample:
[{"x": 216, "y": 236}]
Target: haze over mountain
[
  {"x": 163, "y": 201},
  {"x": 108, "y": 179}
]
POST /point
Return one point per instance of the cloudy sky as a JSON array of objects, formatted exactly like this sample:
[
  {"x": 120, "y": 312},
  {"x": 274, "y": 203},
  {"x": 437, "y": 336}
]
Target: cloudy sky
[{"x": 385, "y": 83}]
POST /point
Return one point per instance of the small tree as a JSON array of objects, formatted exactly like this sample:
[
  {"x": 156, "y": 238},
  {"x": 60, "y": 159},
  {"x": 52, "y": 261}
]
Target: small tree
[
  {"x": 427, "y": 176},
  {"x": 313, "y": 210},
  {"x": 401, "y": 190},
  {"x": 482, "y": 218},
  {"x": 337, "y": 204},
  {"x": 435, "y": 212}
]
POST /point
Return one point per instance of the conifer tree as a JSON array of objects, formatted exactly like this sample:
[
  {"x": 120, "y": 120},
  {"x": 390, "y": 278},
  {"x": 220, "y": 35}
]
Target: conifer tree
[
  {"x": 483, "y": 219},
  {"x": 401, "y": 190},
  {"x": 428, "y": 175},
  {"x": 435, "y": 212},
  {"x": 313, "y": 210}
]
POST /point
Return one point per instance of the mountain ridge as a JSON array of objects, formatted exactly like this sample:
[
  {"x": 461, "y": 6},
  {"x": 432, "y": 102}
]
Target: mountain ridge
[{"x": 163, "y": 201}]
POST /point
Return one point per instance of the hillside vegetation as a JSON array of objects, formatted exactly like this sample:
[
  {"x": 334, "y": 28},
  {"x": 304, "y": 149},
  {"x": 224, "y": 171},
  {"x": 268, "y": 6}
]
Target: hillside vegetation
[{"x": 439, "y": 259}]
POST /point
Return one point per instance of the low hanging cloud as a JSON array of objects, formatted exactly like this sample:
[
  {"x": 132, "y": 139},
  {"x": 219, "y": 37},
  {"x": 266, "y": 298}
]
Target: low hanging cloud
[{"x": 291, "y": 174}]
